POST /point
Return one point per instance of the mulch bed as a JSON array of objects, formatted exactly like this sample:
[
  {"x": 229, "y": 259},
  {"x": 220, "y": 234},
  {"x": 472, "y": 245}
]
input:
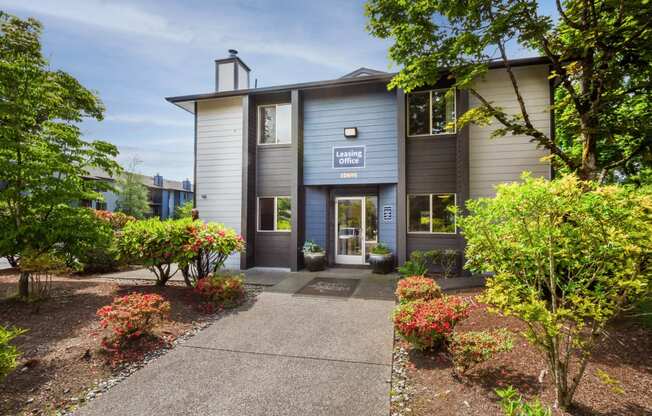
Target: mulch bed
[
  {"x": 626, "y": 356},
  {"x": 62, "y": 358}
]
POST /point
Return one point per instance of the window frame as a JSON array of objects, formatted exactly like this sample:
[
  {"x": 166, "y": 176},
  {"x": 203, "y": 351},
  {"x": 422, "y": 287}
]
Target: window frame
[
  {"x": 275, "y": 230},
  {"x": 430, "y": 133},
  {"x": 430, "y": 197},
  {"x": 260, "y": 126}
]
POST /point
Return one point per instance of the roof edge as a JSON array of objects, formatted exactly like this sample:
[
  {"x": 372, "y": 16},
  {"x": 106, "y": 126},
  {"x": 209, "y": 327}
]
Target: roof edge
[{"x": 384, "y": 77}]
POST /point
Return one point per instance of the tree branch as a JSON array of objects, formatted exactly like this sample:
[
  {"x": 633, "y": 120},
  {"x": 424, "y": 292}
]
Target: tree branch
[
  {"x": 624, "y": 160},
  {"x": 565, "y": 17}
]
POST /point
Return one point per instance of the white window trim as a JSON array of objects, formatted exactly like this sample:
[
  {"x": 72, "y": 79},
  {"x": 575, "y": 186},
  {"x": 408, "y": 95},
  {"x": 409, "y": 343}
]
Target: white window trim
[
  {"x": 430, "y": 134},
  {"x": 275, "y": 214},
  {"x": 276, "y": 143},
  {"x": 430, "y": 224}
]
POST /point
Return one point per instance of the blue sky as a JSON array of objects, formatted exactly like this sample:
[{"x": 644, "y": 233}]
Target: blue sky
[{"x": 134, "y": 53}]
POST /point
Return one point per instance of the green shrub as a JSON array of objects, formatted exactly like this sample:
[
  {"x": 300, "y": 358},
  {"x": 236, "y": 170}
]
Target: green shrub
[
  {"x": 155, "y": 244},
  {"x": 221, "y": 290},
  {"x": 418, "y": 264},
  {"x": 469, "y": 349},
  {"x": 41, "y": 267},
  {"x": 514, "y": 405},
  {"x": 427, "y": 324},
  {"x": 417, "y": 288},
  {"x": 8, "y": 353},
  {"x": 183, "y": 211},
  {"x": 311, "y": 247},
  {"x": 381, "y": 249},
  {"x": 566, "y": 257},
  {"x": 447, "y": 260}
]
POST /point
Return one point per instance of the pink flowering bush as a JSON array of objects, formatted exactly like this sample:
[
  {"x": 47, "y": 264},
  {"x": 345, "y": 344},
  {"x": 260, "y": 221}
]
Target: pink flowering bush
[
  {"x": 428, "y": 323},
  {"x": 221, "y": 291},
  {"x": 131, "y": 316},
  {"x": 417, "y": 287},
  {"x": 206, "y": 249}
]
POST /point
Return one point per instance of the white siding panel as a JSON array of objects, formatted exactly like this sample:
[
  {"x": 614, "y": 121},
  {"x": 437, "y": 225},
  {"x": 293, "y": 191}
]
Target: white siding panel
[
  {"x": 493, "y": 161},
  {"x": 219, "y": 164}
]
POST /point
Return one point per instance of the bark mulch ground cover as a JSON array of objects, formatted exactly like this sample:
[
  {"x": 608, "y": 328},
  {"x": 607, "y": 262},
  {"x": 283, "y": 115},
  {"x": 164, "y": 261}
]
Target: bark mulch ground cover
[
  {"x": 432, "y": 389},
  {"x": 62, "y": 363}
]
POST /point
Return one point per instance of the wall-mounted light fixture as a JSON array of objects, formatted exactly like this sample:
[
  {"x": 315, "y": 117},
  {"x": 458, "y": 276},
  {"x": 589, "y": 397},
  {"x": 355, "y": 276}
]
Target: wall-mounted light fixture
[{"x": 350, "y": 132}]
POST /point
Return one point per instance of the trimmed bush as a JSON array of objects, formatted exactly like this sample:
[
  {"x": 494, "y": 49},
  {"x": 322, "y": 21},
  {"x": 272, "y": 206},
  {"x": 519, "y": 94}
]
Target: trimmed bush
[
  {"x": 427, "y": 324},
  {"x": 222, "y": 291},
  {"x": 469, "y": 349},
  {"x": 9, "y": 354},
  {"x": 417, "y": 288},
  {"x": 117, "y": 220},
  {"x": 131, "y": 316}
]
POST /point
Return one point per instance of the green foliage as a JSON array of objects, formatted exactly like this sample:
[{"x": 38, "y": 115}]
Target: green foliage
[
  {"x": 133, "y": 196},
  {"x": 566, "y": 256},
  {"x": 41, "y": 267},
  {"x": 43, "y": 157},
  {"x": 469, "y": 349},
  {"x": 8, "y": 353},
  {"x": 447, "y": 260},
  {"x": 311, "y": 247},
  {"x": 183, "y": 211},
  {"x": 417, "y": 288},
  {"x": 613, "y": 384},
  {"x": 155, "y": 244},
  {"x": 381, "y": 249},
  {"x": 514, "y": 405},
  {"x": 599, "y": 53},
  {"x": 418, "y": 264}
]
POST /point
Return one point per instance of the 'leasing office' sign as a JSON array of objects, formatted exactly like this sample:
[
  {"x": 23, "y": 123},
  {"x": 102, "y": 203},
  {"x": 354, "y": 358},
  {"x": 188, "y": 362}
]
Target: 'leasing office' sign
[{"x": 348, "y": 157}]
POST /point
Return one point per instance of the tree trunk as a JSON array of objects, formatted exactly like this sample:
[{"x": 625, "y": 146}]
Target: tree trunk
[
  {"x": 589, "y": 169},
  {"x": 23, "y": 285}
]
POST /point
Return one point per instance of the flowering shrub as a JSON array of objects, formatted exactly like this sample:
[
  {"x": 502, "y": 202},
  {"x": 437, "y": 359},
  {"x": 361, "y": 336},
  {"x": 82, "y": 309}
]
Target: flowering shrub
[
  {"x": 117, "y": 220},
  {"x": 131, "y": 316},
  {"x": 417, "y": 287},
  {"x": 222, "y": 291},
  {"x": 472, "y": 348},
  {"x": 206, "y": 248},
  {"x": 8, "y": 353},
  {"x": 427, "y": 323}
]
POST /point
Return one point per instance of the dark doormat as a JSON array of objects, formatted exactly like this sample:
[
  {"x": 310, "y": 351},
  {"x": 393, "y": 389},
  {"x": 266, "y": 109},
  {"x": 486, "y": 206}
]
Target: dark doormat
[{"x": 330, "y": 286}]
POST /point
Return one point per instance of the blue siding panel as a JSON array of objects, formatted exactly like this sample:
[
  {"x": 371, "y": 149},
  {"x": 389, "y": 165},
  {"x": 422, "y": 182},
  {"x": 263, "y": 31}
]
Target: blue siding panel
[
  {"x": 316, "y": 206},
  {"x": 372, "y": 109},
  {"x": 387, "y": 230}
]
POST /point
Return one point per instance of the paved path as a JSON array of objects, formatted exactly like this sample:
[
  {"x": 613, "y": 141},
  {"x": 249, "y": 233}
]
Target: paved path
[{"x": 285, "y": 355}]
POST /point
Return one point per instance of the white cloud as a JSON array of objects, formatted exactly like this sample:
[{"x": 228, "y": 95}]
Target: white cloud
[
  {"x": 105, "y": 15},
  {"x": 147, "y": 119}
]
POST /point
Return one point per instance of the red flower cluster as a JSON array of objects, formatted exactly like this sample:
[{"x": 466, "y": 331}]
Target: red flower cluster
[
  {"x": 417, "y": 287},
  {"x": 427, "y": 323},
  {"x": 221, "y": 291},
  {"x": 131, "y": 316}
]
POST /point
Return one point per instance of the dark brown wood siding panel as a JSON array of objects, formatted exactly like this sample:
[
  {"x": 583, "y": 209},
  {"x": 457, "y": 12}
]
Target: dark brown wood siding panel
[
  {"x": 272, "y": 249},
  {"x": 431, "y": 164},
  {"x": 274, "y": 170},
  {"x": 428, "y": 242}
]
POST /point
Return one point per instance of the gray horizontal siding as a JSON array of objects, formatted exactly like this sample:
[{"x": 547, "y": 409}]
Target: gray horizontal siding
[
  {"x": 425, "y": 242},
  {"x": 372, "y": 109},
  {"x": 272, "y": 249},
  {"x": 431, "y": 164},
  {"x": 273, "y": 170}
]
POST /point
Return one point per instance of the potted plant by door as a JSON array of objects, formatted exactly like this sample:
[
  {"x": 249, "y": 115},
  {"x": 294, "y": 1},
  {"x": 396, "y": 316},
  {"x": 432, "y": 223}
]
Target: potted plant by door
[
  {"x": 314, "y": 256},
  {"x": 381, "y": 259}
]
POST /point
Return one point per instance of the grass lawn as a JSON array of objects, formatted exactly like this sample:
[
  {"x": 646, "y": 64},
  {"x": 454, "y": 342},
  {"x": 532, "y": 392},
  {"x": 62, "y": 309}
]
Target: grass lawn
[
  {"x": 62, "y": 358},
  {"x": 626, "y": 357}
]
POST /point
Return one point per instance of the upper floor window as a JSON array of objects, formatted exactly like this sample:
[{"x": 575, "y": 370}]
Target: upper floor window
[
  {"x": 430, "y": 113},
  {"x": 275, "y": 124}
]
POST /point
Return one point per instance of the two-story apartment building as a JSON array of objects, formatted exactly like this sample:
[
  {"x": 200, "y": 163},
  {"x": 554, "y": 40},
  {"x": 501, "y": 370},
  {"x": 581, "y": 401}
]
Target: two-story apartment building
[{"x": 348, "y": 163}]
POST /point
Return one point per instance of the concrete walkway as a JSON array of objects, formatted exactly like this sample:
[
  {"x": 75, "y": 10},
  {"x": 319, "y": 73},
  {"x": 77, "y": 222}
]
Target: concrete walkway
[{"x": 284, "y": 355}]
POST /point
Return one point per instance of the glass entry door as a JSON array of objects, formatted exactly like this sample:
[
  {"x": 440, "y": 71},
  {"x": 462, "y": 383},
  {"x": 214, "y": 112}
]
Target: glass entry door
[{"x": 355, "y": 228}]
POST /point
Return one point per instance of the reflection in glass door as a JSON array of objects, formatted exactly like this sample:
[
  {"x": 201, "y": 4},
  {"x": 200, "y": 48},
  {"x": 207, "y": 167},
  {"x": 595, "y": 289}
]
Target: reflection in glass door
[{"x": 355, "y": 228}]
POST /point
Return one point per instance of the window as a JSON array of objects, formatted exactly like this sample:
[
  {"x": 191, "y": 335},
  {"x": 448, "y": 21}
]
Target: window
[
  {"x": 274, "y": 214},
  {"x": 274, "y": 124},
  {"x": 430, "y": 113},
  {"x": 428, "y": 213}
]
